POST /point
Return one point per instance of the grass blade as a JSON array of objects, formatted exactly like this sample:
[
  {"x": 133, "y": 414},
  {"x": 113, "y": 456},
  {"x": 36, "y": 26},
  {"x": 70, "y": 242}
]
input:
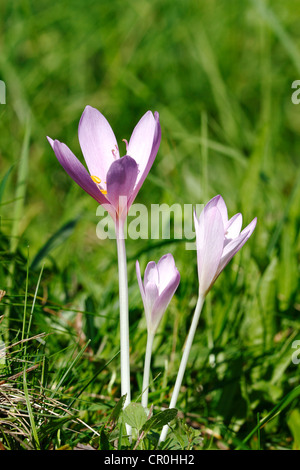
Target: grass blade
[
  {"x": 30, "y": 412},
  {"x": 274, "y": 412},
  {"x": 53, "y": 242}
]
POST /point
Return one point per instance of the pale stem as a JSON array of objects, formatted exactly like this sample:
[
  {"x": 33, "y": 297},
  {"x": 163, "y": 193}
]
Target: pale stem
[
  {"x": 147, "y": 363},
  {"x": 124, "y": 316},
  {"x": 184, "y": 360}
]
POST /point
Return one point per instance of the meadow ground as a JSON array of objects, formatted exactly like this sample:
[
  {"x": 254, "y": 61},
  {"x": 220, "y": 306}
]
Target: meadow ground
[{"x": 220, "y": 74}]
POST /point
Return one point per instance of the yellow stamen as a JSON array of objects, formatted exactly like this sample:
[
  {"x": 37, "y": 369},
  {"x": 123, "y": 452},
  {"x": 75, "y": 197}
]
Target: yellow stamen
[
  {"x": 103, "y": 191},
  {"x": 96, "y": 179}
]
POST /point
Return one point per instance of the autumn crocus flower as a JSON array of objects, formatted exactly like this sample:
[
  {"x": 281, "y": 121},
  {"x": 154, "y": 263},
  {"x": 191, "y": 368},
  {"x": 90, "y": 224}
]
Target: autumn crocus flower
[
  {"x": 218, "y": 239},
  {"x": 111, "y": 180},
  {"x": 114, "y": 183},
  {"x": 160, "y": 283}
]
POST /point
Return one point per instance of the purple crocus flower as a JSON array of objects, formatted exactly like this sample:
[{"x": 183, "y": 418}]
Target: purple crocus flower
[
  {"x": 160, "y": 283},
  {"x": 112, "y": 181},
  {"x": 217, "y": 240}
]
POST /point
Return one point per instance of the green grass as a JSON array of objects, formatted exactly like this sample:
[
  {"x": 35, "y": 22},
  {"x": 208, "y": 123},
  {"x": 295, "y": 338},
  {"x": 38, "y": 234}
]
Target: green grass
[{"x": 220, "y": 75}]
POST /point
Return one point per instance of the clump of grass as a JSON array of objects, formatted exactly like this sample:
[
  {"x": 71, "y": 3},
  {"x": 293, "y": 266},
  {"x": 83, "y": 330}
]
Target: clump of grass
[{"x": 30, "y": 417}]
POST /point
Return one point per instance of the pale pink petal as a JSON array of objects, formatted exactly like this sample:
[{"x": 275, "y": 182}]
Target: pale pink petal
[
  {"x": 98, "y": 142},
  {"x": 143, "y": 146},
  {"x": 151, "y": 273},
  {"x": 140, "y": 282},
  {"x": 250, "y": 228},
  {"x": 76, "y": 170},
  {"x": 151, "y": 294},
  {"x": 233, "y": 228},
  {"x": 164, "y": 298},
  {"x": 196, "y": 223},
  {"x": 209, "y": 242},
  {"x": 235, "y": 245},
  {"x": 218, "y": 202},
  {"x": 166, "y": 269}
]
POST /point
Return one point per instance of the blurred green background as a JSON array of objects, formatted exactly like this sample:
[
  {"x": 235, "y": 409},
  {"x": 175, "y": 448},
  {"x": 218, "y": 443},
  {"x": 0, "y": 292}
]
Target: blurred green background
[{"x": 220, "y": 73}]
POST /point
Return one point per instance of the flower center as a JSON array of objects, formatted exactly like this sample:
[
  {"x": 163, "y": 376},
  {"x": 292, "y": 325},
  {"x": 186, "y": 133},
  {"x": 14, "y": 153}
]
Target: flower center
[{"x": 98, "y": 181}]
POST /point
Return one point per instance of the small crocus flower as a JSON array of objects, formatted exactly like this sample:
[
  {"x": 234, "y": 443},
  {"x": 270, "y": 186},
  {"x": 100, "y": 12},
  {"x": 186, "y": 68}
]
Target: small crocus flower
[
  {"x": 112, "y": 181},
  {"x": 160, "y": 283},
  {"x": 217, "y": 240}
]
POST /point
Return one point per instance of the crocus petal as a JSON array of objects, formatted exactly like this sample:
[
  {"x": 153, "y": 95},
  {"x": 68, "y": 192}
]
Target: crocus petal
[
  {"x": 151, "y": 294},
  {"x": 218, "y": 202},
  {"x": 155, "y": 299},
  {"x": 140, "y": 282},
  {"x": 235, "y": 245},
  {"x": 250, "y": 228},
  {"x": 76, "y": 170},
  {"x": 210, "y": 241},
  {"x": 120, "y": 179},
  {"x": 97, "y": 141},
  {"x": 234, "y": 226},
  {"x": 164, "y": 298},
  {"x": 230, "y": 250},
  {"x": 151, "y": 273},
  {"x": 143, "y": 146},
  {"x": 148, "y": 289},
  {"x": 166, "y": 269}
]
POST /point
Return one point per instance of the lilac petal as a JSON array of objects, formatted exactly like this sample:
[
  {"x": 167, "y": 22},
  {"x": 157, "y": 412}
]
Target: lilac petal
[
  {"x": 210, "y": 241},
  {"x": 165, "y": 297},
  {"x": 218, "y": 202},
  {"x": 235, "y": 245},
  {"x": 97, "y": 141},
  {"x": 196, "y": 221},
  {"x": 143, "y": 146},
  {"x": 230, "y": 250},
  {"x": 233, "y": 228},
  {"x": 151, "y": 294},
  {"x": 250, "y": 228},
  {"x": 151, "y": 273},
  {"x": 140, "y": 282},
  {"x": 120, "y": 179},
  {"x": 76, "y": 170},
  {"x": 166, "y": 269}
]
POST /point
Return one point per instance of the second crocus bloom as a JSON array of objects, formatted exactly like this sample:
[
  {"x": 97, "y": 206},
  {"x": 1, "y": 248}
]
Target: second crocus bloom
[
  {"x": 218, "y": 239},
  {"x": 160, "y": 283}
]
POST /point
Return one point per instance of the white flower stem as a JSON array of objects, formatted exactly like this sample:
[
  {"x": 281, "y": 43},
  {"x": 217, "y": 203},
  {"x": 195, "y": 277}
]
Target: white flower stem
[
  {"x": 124, "y": 315},
  {"x": 184, "y": 360},
  {"x": 147, "y": 364}
]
